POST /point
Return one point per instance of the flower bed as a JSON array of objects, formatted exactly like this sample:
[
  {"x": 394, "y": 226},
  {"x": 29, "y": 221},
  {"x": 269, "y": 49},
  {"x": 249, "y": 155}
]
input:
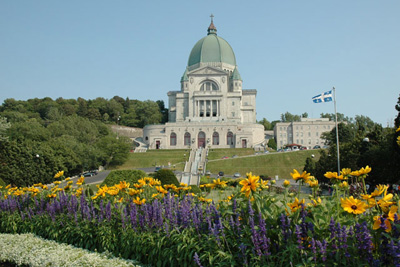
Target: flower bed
[
  {"x": 28, "y": 249},
  {"x": 166, "y": 226}
]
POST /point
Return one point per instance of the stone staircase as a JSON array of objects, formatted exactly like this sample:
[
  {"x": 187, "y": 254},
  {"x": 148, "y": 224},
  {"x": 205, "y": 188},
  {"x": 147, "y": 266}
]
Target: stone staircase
[{"x": 142, "y": 147}]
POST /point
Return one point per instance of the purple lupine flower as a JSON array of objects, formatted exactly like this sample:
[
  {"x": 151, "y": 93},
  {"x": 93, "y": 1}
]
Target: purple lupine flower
[
  {"x": 393, "y": 251},
  {"x": 264, "y": 240},
  {"x": 254, "y": 237},
  {"x": 123, "y": 217},
  {"x": 196, "y": 217},
  {"x": 322, "y": 248},
  {"x": 242, "y": 254},
  {"x": 363, "y": 241},
  {"x": 197, "y": 259},
  {"x": 332, "y": 227},
  {"x": 133, "y": 215},
  {"x": 395, "y": 231},
  {"x": 251, "y": 211},
  {"x": 313, "y": 249},
  {"x": 142, "y": 219},
  {"x": 343, "y": 241},
  {"x": 299, "y": 237},
  {"x": 108, "y": 211},
  {"x": 29, "y": 213},
  {"x": 166, "y": 228}
]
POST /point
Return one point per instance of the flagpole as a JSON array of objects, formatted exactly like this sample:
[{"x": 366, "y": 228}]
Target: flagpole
[{"x": 337, "y": 132}]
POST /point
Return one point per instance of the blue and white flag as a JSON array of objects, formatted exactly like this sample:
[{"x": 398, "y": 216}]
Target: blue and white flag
[{"x": 325, "y": 97}]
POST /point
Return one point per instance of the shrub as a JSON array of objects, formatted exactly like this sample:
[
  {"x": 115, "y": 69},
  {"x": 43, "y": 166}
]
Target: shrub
[
  {"x": 195, "y": 189},
  {"x": 166, "y": 177},
  {"x": 2, "y": 183},
  {"x": 28, "y": 249},
  {"x": 130, "y": 176}
]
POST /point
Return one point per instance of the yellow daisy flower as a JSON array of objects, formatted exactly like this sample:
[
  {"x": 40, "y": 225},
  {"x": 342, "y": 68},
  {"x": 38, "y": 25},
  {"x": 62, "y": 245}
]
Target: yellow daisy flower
[
  {"x": 297, "y": 176},
  {"x": 250, "y": 184},
  {"x": 352, "y": 205}
]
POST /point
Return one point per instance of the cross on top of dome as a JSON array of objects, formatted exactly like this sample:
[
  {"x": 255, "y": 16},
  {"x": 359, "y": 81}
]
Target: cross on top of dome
[{"x": 212, "y": 29}]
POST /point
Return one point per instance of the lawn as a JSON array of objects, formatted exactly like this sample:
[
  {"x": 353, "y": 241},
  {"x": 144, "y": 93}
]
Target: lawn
[
  {"x": 153, "y": 158},
  {"x": 271, "y": 164}
]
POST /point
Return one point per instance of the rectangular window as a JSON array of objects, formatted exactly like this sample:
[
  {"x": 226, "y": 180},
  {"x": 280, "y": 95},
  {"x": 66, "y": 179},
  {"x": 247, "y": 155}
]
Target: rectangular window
[
  {"x": 233, "y": 114},
  {"x": 233, "y": 103},
  {"x": 316, "y": 134},
  {"x": 309, "y": 134}
]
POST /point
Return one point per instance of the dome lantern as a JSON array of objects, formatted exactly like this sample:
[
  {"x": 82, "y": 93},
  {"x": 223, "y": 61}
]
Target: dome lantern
[{"x": 212, "y": 29}]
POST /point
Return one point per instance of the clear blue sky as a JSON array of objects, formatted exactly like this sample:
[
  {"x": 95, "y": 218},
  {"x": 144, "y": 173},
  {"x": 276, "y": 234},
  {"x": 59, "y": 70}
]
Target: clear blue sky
[{"x": 289, "y": 51}]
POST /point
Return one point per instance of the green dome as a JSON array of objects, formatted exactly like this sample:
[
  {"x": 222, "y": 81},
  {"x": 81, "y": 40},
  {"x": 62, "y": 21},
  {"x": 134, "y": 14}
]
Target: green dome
[{"x": 212, "y": 48}]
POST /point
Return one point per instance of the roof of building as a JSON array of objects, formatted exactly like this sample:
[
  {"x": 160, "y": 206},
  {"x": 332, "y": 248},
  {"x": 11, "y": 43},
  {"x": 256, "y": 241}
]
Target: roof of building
[
  {"x": 212, "y": 48},
  {"x": 236, "y": 75}
]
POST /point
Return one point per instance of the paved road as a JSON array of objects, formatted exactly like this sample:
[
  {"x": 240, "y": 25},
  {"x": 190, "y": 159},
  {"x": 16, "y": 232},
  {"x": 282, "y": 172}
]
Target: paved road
[{"x": 97, "y": 178}]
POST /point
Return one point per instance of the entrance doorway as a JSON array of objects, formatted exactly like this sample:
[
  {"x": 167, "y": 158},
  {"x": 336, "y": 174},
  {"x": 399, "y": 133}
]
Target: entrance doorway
[
  {"x": 244, "y": 143},
  {"x": 157, "y": 144},
  {"x": 201, "y": 140}
]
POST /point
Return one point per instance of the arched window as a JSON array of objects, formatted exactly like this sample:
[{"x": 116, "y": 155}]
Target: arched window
[
  {"x": 215, "y": 139},
  {"x": 209, "y": 86},
  {"x": 229, "y": 138},
  {"x": 187, "y": 139},
  {"x": 172, "y": 139}
]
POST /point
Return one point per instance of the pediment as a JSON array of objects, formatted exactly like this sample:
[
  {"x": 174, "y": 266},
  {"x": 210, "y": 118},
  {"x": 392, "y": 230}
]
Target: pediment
[{"x": 208, "y": 71}]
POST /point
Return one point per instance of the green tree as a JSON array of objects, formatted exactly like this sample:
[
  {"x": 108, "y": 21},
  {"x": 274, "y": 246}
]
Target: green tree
[
  {"x": 289, "y": 117},
  {"x": 340, "y": 117},
  {"x": 4, "y": 125},
  {"x": 272, "y": 144},
  {"x": 148, "y": 113},
  {"x": 163, "y": 110},
  {"x": 397, "y": 119},
  {"x": 267, "y": 125}
]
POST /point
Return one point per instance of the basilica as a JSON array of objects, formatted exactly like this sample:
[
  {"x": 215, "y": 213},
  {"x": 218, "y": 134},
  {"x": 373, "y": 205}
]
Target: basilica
[{"x": 211, "y": 109}]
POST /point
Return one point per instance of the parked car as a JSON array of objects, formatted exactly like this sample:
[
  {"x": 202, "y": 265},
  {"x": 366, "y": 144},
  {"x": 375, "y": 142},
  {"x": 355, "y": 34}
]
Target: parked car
[
  {"x": 88, "y": 174},
  {"x": 157, "y": 168},
  {"x": 295, "y": 148},
  {"x": 280, "y": 150},
  {"x": 236, "y": 175},
  {"x": 221, "y": 174},
  {"x": 303, "y": 148},
  {"x": 234, "y": 156},
  {"x": 266, "y": 151},
  {"x": 317, "y": 147},
  {"x": 208, "y": 173},
  {"x": 225, "y": 157}
]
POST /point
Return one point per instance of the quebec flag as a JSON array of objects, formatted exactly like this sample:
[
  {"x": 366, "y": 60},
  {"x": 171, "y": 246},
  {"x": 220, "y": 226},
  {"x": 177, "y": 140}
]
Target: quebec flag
[{"x": 325, "y": 97}]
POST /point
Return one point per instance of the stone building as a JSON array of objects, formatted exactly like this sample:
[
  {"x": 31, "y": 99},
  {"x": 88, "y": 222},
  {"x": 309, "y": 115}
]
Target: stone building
[
  {"x": 306, "y": 132},
  {"x": 211, "y": 109}
]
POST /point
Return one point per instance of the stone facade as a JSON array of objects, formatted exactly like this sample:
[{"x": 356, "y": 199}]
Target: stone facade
[
  {"x": 306, "y": 132},
  {"x": 211, "y": 108}
]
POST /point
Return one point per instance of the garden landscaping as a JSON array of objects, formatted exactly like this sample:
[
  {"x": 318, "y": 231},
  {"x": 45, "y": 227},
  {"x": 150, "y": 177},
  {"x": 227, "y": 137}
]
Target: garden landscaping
[{"x": 164, "y": 224}]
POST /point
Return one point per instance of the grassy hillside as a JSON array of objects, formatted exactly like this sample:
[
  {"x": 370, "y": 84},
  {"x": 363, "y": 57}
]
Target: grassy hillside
[
  {"x": 271, "y": 164},
  {"x": 156, "y": 157}
]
